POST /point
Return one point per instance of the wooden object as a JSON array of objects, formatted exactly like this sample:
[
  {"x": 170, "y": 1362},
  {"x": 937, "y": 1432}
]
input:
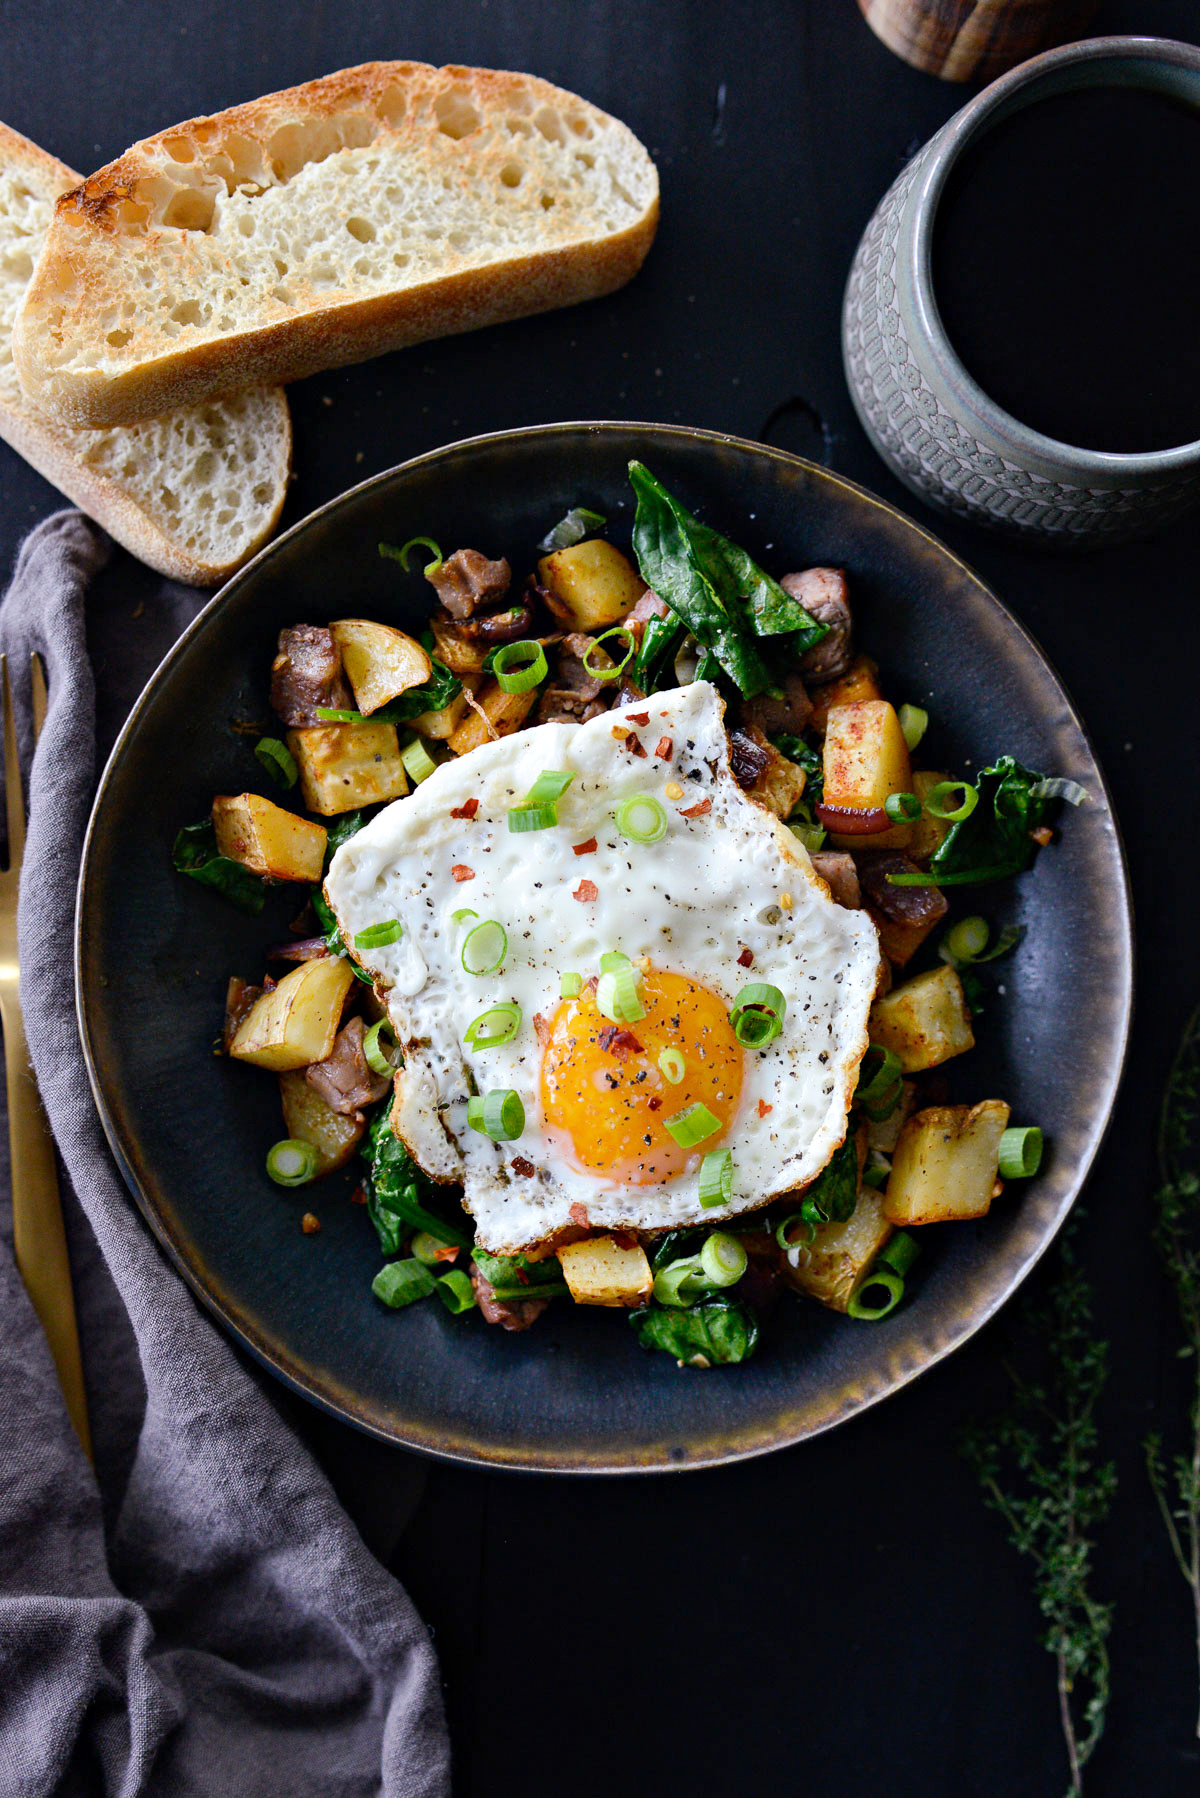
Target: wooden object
[{"x": 973, "y": 40}]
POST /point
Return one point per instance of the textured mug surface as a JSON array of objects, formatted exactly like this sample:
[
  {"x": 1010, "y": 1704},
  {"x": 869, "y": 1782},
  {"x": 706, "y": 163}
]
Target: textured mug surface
[{"x": 929, "y": 420}]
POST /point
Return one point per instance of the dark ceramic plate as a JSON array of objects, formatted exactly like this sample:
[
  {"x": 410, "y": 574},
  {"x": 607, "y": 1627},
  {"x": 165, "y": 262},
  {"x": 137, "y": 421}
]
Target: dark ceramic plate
[{"x": 190, "y": 1128}]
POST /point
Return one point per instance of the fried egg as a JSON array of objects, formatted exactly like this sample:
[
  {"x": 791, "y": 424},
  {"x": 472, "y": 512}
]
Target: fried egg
[{"x": 726, "y": 897}]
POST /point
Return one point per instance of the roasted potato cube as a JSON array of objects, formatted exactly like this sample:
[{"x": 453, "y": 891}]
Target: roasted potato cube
[
  {"x": 268, "y": 840},
  {"x": 307, "y": 1118},
  {"x": 600, "y": 1272},
  {"x": 462, "y": 655},
  {"x": 885, "y": 1134},
  {"x": 925, "y": 1021},
  {"x": 781, "y": 784},
  {"x": 928, "y": 833},
  {"x": 506, "y": 711},
  {"x": 591, "y": 585},
  {"x": 380, "y": 661},
  {"x": 295, "y": 1023},
  {"x": 859, "y": 682},
  {"x": 345, "y": 765},
  {"x": 946, "y": 1163},
  {"x": 866, "y": 757},
  {"x": 830, "y": 1267}
]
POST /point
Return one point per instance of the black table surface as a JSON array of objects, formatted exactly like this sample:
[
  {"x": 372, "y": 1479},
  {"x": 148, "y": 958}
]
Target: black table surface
[{"x": 843, "y": 1618}]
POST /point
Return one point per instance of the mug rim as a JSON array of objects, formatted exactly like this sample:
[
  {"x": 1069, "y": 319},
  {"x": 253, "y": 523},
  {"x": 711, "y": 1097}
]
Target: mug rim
[{"x": 966, "y": 126}]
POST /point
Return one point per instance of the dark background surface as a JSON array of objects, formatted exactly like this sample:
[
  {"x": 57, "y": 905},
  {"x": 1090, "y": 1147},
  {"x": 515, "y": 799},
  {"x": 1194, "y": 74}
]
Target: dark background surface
[{"x": 842, "y": 1618}]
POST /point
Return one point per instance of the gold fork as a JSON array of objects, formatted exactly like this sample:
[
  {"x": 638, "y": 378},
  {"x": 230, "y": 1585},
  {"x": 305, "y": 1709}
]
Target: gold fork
[{"x": 39, "y": 1240}]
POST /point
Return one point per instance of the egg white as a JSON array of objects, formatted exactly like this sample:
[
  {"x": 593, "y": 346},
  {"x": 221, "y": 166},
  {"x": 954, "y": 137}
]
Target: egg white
[{"x": 729, "y": 880}]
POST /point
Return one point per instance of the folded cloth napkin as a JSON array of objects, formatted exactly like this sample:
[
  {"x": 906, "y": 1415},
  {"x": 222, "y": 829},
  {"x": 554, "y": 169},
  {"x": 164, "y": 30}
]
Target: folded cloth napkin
[{"x": 199, "y": 1617}]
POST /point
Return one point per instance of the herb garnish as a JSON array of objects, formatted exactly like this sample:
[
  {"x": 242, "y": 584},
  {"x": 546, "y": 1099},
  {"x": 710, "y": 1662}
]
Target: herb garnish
[
  {"x": 1177, "y": 1238},
  {"x": 718, "y": 1332},
  {"x": 1037, "y": 1467}
]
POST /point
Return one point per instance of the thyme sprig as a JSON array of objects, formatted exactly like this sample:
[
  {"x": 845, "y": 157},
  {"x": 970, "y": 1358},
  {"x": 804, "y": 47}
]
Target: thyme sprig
[
  {"x": 1177, "y": 1238},
  {"x": 1038, "y": 1468}
]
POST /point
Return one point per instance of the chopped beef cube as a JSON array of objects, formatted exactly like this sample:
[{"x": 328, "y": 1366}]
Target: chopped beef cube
[
  {"x": 791, "y": 712},
  {"x": 840, "y": 876},
  {"x": 467, "y": 583},
  {"x": 823, "y": 594},
  {"x": 345, "y": 1080},
  {"x": 517, "y": 1315},
  {"x": 307, "y": 673}
]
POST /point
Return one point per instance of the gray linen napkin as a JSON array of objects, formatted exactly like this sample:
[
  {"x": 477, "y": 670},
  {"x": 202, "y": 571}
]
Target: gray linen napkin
[{"x": 200, "y": 1617}]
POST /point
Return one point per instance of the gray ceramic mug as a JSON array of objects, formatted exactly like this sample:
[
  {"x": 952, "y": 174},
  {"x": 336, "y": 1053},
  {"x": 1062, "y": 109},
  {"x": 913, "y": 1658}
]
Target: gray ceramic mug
[{"x": 932, "y": 424}]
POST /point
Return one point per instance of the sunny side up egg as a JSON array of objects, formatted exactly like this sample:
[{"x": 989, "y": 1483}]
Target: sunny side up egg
[{"x": 726, "y": 897}]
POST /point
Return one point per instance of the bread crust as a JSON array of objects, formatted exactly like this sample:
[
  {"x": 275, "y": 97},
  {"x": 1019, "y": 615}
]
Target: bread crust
[
  {"x": 47, "y": 445},
  {"x": 391, "y": 103}
]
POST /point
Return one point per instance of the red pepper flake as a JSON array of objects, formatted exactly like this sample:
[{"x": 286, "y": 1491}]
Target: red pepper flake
[
  {"x": 467, "y": 809},
  {"x": 697, "y": 811},
  {"x": 460, "y": 871},
  {"x": 359, "y": 1196},
  {"x": 656, "y": 1104},
  {"x": 638, "y": 717},
  {"x": 588, "y": 848},
  {"x": 764, "y": 1110},
  {"x": 624, "y": 1239},
  {"x": 310, "y": 1224},
  {"x": 522, "y": 1276},
  {"x": 588, "y": 990},
  {"x": 269, "y": 985},
  {"x": 578, "y": 1215},
  {"x": 541, "y": 1028},
  {"x": 586, "y": 891},
  {"x": 519, "y": 1165},
  {"x": 614, "y": 1039},
  {"x": 746, "y": 958},
  {"x": 1043, "y": 836},
  {"x": 447, "y": 1252},
  {"x": 635, "y": 746},
  {"x": 665, "y": 748}
]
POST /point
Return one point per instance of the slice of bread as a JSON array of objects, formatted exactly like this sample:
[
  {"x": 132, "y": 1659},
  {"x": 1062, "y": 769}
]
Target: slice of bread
[
  {"x": 371, "y": 209},
  {"x": 193, "y": 494}
]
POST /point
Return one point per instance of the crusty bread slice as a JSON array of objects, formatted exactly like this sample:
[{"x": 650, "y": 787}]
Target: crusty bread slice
[
  {"x": 371, "y": 209},
  {"x": 193, "y": 494}
]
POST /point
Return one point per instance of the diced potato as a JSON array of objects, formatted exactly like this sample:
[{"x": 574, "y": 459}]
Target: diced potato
[
  {"x": 506, "y": 711},
  {"x": 830, "y": 1267},
  {"x": 295, "y": 1023},
  {"x": 885, "y": 1134},
  {"x": 946, "y": 1163},
  {"x": 346, "y": 765},
  {"x": 268, "y": 840},
  {"x": 600, "y": 1272},
  {"x": 928, "y": 833},
  {"x": 307, "y": 1118},
  {"x": 925, "y": 1021},
  {"x": 591, "y": 585},
  {"x": 859, "y": 682},
  {"x": 459, "y": 653},
  {"x": 866, "y": 757},
  {"x": 380, "y": 662}
]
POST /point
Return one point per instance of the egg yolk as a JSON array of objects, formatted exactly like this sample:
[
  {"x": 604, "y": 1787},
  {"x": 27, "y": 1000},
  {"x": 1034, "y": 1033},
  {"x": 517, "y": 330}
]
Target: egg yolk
[{"x": 605, "y": 1098}]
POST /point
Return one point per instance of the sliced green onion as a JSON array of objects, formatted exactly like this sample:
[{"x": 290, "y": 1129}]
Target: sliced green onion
[
  {"x": 291, "y": 1163},
  {"x": 427, "y": 1249},
  {"x": 380, "y": 1049},
  {"x": 758, "y": 1014},
  {"x": 914, "y": 722},
  {"x": 532, "y": 817},
  {"x": 379, "y": 936},
  {"x": 418, "y": 763},
  {"x": 879, "y": 1073},
  {"x": 619, "y": 995},
  {"x": 860, "y": 1305},
  {"x": 549, "y": 786},
  {"x": 618, "y": 630},
  {"x": 498, "y": 1114},
  {"x": 331, "y": 714},
  {"x": 520, "y": 666},
  {"x": 672, "y": 1066},
  {"x": 692, "y": 1125},
  {"x": 1021, "y": 1152},
  {"x": 938, "y": 802},
  {"x": 902, "y": 808},
  {"x": 1057, "y": 786},
  {"x": 680, "y": 1283},
  {"x": 401, "y": 555},
  {"x": 716, "y": 1180},
  {"x": 462, "y": 914},
  {"x": 401, "y": 1282},
  {"x": 578, "y": 523},
  {"x": 641, "y": 818},
  {"x": 797, "y": 1219},
  {"x": 811, "y": 835},
  {"x": 899, "y": 1253},
  {"x": 485, "y": 947},
  {"x": 278, "y": 761},
  {"x": 966, "y": 943},
  {"x": 724, "y": 1259},
  {"x": 570, "y": 986},
  {"x": 614, "y": 959},
  {"x": 455, "y": 1291},
  {"x": 497, "y": 1025},
  {"x": 539, "y": 808}
]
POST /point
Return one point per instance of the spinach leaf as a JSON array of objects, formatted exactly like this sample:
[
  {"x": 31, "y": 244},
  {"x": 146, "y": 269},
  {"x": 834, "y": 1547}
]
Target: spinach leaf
[
  {"x": 676, "y": 1245},
  {"x": 722, "y": 1330},
  {"x": 808, "y": 758},
  {"x": 994, "y": 842},
  {"x": 335, "y": 942},
  {"x": 399, "y": 1196},
  {"x": 343, "y": 827},
  {"x": 503, "y": 1271},
  {"x": 195, "y": 854},
  {"x": 834, "y": 1193}
]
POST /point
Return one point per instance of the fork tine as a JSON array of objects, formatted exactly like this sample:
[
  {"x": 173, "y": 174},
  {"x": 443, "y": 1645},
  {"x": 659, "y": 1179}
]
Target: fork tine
[
  {"x": 13, "y": 799},
  {"x": 37, "y": 680}
]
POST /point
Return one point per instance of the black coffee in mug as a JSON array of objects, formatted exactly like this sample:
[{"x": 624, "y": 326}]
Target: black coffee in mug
[{"x": 1066, "y": 267}]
